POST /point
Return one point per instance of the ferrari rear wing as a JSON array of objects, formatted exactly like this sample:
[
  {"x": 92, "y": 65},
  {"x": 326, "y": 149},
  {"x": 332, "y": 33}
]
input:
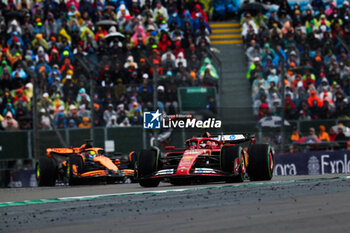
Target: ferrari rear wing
[{"x": 233, "y": 138}]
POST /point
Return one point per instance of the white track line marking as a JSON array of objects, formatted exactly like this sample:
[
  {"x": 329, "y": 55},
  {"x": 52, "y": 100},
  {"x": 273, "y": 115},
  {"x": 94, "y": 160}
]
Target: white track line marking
[{"x": 90, "y": 197}]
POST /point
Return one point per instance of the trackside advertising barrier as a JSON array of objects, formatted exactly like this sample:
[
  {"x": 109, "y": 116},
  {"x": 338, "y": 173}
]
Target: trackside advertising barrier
[{"x": 312, "y": 163}]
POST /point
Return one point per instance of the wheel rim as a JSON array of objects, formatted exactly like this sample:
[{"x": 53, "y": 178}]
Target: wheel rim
[
  {"x": 271, "y": 162},
  {"x": 68, "y": 170},
  {"x": 38, "y": 172},
  {"x": 242, "y": 164}
]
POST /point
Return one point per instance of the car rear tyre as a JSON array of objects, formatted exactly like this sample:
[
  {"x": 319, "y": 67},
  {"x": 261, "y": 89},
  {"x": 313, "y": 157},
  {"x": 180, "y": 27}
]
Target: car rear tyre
[
  {"x": 77, "y": 162},
  {"x": 46, "y": 172},
  {"x": 146, "y": 165},
  {"x": 228, "y": 156},
  {"x": 260, "y": 165}
]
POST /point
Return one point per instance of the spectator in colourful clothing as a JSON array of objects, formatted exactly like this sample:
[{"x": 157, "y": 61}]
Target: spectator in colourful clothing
[
  {"x": 53, "y": 46},
  {"x": 314, "y": 60}
]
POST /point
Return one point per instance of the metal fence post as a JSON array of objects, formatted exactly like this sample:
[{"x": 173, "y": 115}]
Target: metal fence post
[
  {"x": 30, "y": 149},
  {"x": 283, "y": 100}
]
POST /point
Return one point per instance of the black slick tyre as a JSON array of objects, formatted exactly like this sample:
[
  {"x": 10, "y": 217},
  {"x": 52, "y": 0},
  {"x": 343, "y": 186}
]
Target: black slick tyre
[
  {"x": 260, "y": 165},
  {"x": 46, "y": 172},
  {"x": 146, "y": 163},
  {"x": 227, "y": 161},
  {"x": 77, "y": 162}
]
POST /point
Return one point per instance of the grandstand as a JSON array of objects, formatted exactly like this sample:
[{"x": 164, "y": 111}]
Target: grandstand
[
  {"x": 109, "y": 61},
  {"x": 122, "y": 50},
  {"x": 310, "y": 40}
]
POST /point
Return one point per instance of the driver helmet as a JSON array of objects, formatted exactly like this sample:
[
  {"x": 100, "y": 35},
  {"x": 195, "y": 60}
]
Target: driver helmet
[
  {"x": 202, "y": 144},
  {"x": 91, "y": 154}
]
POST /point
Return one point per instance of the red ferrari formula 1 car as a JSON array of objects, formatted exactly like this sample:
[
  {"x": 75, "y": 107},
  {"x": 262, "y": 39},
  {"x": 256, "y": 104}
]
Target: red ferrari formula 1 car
[
  {"x": 75, "y": 165},
  {"x": 208, "y": 158}
]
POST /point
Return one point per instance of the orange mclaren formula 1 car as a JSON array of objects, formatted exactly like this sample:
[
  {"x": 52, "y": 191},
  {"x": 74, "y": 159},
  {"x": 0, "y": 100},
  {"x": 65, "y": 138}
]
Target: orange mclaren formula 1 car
[
  {"x": 206, "y": 158},
  {"x": 75, "y": 165}
]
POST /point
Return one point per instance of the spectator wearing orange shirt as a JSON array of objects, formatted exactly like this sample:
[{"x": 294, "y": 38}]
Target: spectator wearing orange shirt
[
  {"x": 323, "y": 135},
  {"x": 295, "y": 135},
  {"x": 313, "y": 96},
  {"x": 327, "y": 98},
  {"x": 67, "y": 65},
  {"x": 85, "y": 123}
]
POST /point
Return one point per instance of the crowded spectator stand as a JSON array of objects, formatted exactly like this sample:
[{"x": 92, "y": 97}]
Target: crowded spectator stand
[
  {"x": 311, "y": 40},
  {"x": 123, "y": 44}
]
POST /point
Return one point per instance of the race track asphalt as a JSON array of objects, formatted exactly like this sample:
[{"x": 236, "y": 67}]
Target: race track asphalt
[{"x": 285, "y": 204}]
